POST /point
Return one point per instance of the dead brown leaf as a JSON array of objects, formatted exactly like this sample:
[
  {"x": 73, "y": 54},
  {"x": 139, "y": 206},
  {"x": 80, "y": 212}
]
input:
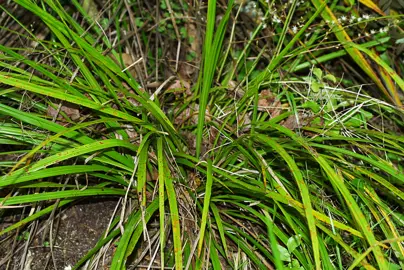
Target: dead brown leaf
[
  {"x": 130, "y": 130},
  {"x": 193, "y": 33},
  {"x": 236, "y": 90},
  {"x": 130, "y": 99},
  {"x": 70, "y": 109},
  {"x": 293, "y": 122},
  {"x": 179, "y": 87},
  {"x": 152, "y": 176},
  {"x": 186, "y": 69},
  {"x": 190, "y": 139},
  {"x": 193, "y": 180},
  {"x": 127, "y": 62},
  {"x": 244, "y": 121},
  {"x": 268, "y": 102},
  {"x": 189, "y": 115}
]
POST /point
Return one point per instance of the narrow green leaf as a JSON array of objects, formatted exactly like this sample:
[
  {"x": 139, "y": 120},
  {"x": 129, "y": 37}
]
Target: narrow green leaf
[
  {"x": 304, "y": 192},
  {"x": 161, "y": 182},
  {"x": 220, "y": 227},
  {"x": 46, "y": 196},
  {"x": 175, "y": 217},
  {"x": 132, "y": 229},
  {"x": 206, "y": 202},
  {"x": 28, "y": 175},
  {"x": 6, "y": 78},
  {"x": 212, "y": 50},
  {"x": 338, "y": 182}
]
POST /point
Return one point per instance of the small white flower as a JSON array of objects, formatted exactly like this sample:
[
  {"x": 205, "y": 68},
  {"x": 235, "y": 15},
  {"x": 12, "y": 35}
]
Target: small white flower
[
  {"x": 372, "y": 31},
  {"x": 359, "y": 19},
  {"x": 382, "y": 30},
  {"x": 294, "y": 29},
  {"x": 366, "y": 16},
  {"x": 352, "y": 19},
  {"x": 261, "y": 14},
  {"x": 343, "y": 18}
]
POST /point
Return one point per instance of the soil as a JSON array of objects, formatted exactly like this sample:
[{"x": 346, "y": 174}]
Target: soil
[{"x": 75, "y": 231}]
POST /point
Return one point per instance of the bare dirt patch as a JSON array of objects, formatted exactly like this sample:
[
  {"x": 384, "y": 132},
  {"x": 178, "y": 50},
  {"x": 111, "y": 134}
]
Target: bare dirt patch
[{"x": 75, "y": 231}]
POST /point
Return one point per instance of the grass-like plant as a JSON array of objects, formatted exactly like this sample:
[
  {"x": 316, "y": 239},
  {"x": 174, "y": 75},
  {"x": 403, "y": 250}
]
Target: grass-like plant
[{"x": 289, "y": 164}]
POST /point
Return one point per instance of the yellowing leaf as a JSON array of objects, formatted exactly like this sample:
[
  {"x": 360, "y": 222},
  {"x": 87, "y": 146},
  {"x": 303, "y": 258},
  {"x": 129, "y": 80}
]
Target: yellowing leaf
[
  {"x": 370, "y": 4},
  {"x": 353, "y": 51}
]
